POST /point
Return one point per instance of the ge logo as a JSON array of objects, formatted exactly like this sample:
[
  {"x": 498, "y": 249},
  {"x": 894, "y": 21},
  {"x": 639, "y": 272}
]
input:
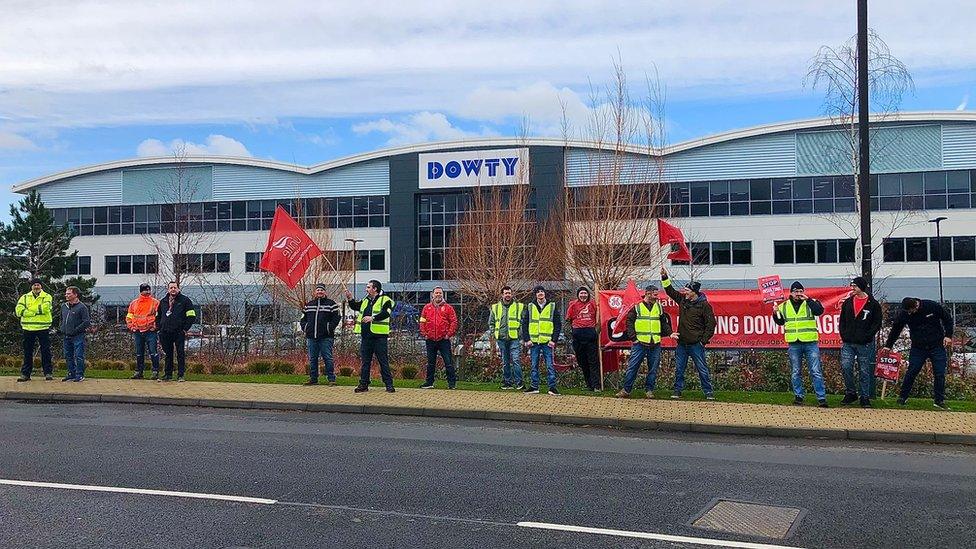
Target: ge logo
[{"x": 616, "y": 301}]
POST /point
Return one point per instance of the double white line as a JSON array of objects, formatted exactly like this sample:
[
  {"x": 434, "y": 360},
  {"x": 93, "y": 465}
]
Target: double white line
[{"x": 524, "y": 524}]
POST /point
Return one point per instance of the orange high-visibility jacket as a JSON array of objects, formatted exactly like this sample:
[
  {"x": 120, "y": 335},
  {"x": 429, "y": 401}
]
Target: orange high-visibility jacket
[{"x": 142, "y": 314}]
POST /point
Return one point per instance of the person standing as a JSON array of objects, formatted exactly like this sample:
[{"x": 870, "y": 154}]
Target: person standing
[
  {"x": 696, "y": 326},
  {"x": 581, "y": 315},
  {"x": 798, "y": 315},
  {"x": 438, "y": 323},
  {"x": 141, "y": 321},
  {"x": 644, "y": 329},
  {"x": 373, "y": 324},
  {"x": 319, "y": 321},
  {"x": 505, "y": 323},
  {"x": 541, "y": 326},
  {"x": 34, "y": 311},
  {"x": 75, "y": 320},
  {"x": 860, "y": 321},
  {"x": 174, "y": 317},
  {"x": 930, "y": 328}
]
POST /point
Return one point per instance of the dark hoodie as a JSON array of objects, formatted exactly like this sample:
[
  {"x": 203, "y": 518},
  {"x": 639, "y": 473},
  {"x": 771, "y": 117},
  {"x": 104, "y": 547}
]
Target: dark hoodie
[{"x": 696, "y": 320}]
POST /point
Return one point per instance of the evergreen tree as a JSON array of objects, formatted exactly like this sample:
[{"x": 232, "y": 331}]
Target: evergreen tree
[{"x": 32, "y": 246}]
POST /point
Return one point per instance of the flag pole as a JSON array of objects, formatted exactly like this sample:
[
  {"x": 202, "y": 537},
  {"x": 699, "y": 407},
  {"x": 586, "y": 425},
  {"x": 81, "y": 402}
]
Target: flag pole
[{"x": 599, "y": 348}]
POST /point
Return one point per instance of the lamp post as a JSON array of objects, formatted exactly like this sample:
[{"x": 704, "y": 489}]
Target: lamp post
[
  {"x": 354, "y": 241},
  {"x": 938, "y": 248}
]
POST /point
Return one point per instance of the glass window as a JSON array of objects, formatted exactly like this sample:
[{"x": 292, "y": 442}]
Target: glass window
[
  {"x": 152, "y": 266},
  {"x": 963, "y": 248},
  {"x": 699, "y": 210},
  {"x": 101, "y": 215},
  {"x": 721, "y": 253},
  {"x": 845, "y": 250},
  {"x": 719, "y": 191},
  {"x": 782, "y": 189},
  {"x": 826, "y": 251},
  {"x": 844, "y": 186},
  {"x": 844, "y": 205},
  {"x": 759, "y": 189},
  {"x": 742, "y": 208},
  {"x": 935, "y": 182},
  {"x": 742, "y": 252},
  {"x": 917, "y": 249},
  {"x": 84, "y": 265},
  {"x": 268, "y": 208},
  {"x": 823, "y": 205},
  {"x": 935, "y": 202},
  {"x": 138, "y": 264},
  {"x": 377, "y": 260},
  {"x": 805, "y": 251},
  {"x": 803, "y": 188},
  {"x": 911, "y": 202},
  {"x": 111, "y": 264},
  {"x": 680, "y": 193},
  {"x": 890, "y": 203},
  {"x": 890, "y": 185},
  {"x": 699, "y": 192},
  {"x": 700, "y": 253},
  {"x": 782, "y": 206},
  {"x": 125, "y": 264},
  {"x": 894, "y": 250},
  {"x": 254, "y": 209},
  {"x": 739, "y": 191},
  {"x": 957, "y": 201},
  {"x": 719, "y": 209},
  {"x": 761, "y": 207},
  {"x": 223, "y": 263},
  {"x": 823, "y": 188},
  {"x": 208, "y": 263},
  {"x": 252, "y": 262},
  {"x": 803, "y": 206},
  {"x": 783, "y": 251},
  {"x": 911, "y": 183},
  {"x": 944, "y": 251}
]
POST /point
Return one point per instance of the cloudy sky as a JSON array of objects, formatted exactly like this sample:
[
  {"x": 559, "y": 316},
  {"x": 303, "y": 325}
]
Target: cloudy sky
[{"x": 297, "y": 81}]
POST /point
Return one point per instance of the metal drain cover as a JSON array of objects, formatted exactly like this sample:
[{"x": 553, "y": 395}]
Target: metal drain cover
[{"x": 749, "y": 519}]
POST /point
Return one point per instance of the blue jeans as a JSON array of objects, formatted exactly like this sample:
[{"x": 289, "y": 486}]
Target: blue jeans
[
  {"x": 511, "y": 352},
  {"x": 916, "y": 360},
  {"x": 810, "y": 350},
  {"x": 316, "y": 348},
  {"x": 143, "y": 340},
  {"x": 546, "y": 352},
  {"x": 638, "y": 352},
  {"x": 74, "y": 355},
  {"x": 442, "y": 346},
  {"x": 864, "y": 355},
  {"x": 378, "y": 347},
  {"x": 697, "y": 353}
]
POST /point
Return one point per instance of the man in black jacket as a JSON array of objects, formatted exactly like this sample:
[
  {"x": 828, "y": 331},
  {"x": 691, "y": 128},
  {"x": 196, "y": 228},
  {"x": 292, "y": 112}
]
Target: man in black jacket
[
  {"x": 860, "y": 321},
  {"x": 930, "y": 329},
  {"x": 319, "y": 321},
  {"x": 173, "y": 318}
]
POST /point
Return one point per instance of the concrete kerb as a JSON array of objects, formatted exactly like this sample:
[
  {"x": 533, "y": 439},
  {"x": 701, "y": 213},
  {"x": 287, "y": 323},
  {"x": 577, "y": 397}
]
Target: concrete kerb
[{"x": 558, "y": 419}]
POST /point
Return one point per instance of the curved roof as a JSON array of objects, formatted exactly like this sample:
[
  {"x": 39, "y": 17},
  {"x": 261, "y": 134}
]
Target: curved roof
[{"x": 765, "y": 129}]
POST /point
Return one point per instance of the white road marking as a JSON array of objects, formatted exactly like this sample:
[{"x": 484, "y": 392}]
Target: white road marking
[
  {"x": 141, "y": 491},
  {"x": 649, "y": 535}
]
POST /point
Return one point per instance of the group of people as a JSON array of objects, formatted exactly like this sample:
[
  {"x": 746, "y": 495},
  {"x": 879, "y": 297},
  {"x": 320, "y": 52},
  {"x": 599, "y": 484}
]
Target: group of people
[{"x": 535, "y": 326}]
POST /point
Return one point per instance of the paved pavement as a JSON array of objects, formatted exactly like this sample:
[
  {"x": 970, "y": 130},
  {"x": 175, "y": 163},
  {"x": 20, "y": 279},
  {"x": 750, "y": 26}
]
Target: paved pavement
[
  {"x": 705, "y": 417},
  {"x": 350, "y": 481}
]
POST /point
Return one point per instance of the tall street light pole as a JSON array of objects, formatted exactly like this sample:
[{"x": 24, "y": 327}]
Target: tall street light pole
[
  {"x": 864, "y": 168},
  {"x": 355, "y": 260},
  {"x": 938, "y": 248}
]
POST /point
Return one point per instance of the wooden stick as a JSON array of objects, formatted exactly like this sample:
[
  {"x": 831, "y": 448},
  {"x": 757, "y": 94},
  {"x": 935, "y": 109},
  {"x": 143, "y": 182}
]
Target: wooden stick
[
  {"x": 884, "y": 388},
  {"x": 599, "y": 348}
]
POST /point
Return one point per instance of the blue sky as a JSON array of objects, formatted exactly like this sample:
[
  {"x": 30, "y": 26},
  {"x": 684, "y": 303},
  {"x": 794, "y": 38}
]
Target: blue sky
[{"x": 83, "y": 83}]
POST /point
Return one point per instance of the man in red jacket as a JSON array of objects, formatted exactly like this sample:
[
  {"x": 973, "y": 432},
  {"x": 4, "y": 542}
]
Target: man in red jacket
[{"x": 438, "y": 322}]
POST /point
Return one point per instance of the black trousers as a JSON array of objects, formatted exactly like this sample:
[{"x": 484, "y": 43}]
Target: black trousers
[
  {"x": 586, "y": 345},
  {"x": 378, "y": 347},
  {"x": 174, "y": 344},
  {"x": 30, "y": 338}
]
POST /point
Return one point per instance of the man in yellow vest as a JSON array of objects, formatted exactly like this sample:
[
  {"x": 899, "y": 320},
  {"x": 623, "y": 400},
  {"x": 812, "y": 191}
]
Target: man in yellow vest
[
  {"x": 34, "y": 311},
  {"x": 541, "y": 327},
  {"x": 798, "y": 315},
  {"x": 373, "y": 324},
  {"x": 644, "y": 329},
  {"x": 505, "y": 323}
]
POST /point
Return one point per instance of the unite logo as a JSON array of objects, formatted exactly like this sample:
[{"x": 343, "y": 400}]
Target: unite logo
[{"x": 288, "y": 246}]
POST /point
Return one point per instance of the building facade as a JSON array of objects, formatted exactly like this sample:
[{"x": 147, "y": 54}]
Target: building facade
[{"x": 775, "y": 199}]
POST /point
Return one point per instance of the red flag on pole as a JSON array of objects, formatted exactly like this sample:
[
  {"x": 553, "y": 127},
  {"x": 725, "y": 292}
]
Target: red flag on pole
[
  {"x": 631, "y": 297},
  {"x": 668, "y": 234},
  {"x": 289, "y": 250}
]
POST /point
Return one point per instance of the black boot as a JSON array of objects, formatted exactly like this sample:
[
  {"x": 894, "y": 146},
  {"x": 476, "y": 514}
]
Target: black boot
[{"x": 849, "y": 398}]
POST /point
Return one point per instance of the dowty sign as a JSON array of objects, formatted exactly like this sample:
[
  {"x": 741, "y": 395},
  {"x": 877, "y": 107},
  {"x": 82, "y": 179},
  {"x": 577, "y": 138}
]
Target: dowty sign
[{"x": 473, "y": 168}]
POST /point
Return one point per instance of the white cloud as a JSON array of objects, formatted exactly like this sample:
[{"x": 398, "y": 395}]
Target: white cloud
[
  {"x": 216, "y": 145},
  {"x": 15, "y": 142},
  {"x": 964, "y": 103},
  {"x": 417, "y": 128}
]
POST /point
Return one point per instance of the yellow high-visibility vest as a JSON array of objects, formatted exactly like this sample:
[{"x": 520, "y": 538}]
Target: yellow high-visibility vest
[
  {"x": 378, "y": 327},
  {"x": 540, "y": 323},
  {"x": 648, "y": 323},
  {"x": 800, "y": 325},
  {"x": 34, "y": 312},
  {"x": 515, "y": 311}
]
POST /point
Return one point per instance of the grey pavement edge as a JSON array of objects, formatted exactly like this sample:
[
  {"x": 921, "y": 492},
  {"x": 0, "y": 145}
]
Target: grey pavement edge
[{"x": 556, "y": 419}]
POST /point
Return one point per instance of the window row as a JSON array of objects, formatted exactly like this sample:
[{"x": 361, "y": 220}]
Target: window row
[
  {"x": 241, "y": 215},
  {"x": 202, "y": 263},
  {"x": 81, "y": 266},
  {"x": 131, "y": 264},
  {"x": 720, "y": 253},
  {"x": 366, "y": 260},
  {"x": 953, "y": 248},
  {"x": 813, "y": 251}
]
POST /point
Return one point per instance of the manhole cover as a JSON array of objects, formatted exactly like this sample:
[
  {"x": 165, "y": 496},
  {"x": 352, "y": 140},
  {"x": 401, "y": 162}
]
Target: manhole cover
[{"x": 750, "y": 519}]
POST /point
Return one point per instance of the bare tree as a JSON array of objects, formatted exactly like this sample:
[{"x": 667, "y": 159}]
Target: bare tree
[
  {"x": 835, "y": 71},
  {"x": 608, "y": 217}
]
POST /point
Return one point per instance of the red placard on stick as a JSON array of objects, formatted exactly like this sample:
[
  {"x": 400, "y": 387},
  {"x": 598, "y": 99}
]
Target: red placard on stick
[
  {"x": 888, "y": 366},
  {"x": 771, "y": 288}
]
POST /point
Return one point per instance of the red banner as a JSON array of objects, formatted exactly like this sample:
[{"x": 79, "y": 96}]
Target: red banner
[
  {"x": 889, "y": 365},
  {"x": 289, "y": 250},
  {"x": 743, "y": 321}
]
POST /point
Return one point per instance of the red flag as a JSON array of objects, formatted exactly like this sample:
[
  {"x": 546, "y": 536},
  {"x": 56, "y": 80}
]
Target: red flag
[
  {"x": 289, "y": 249},
  {"x": 631, "y": 297},
  {"x": 668, "y": 234}
]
